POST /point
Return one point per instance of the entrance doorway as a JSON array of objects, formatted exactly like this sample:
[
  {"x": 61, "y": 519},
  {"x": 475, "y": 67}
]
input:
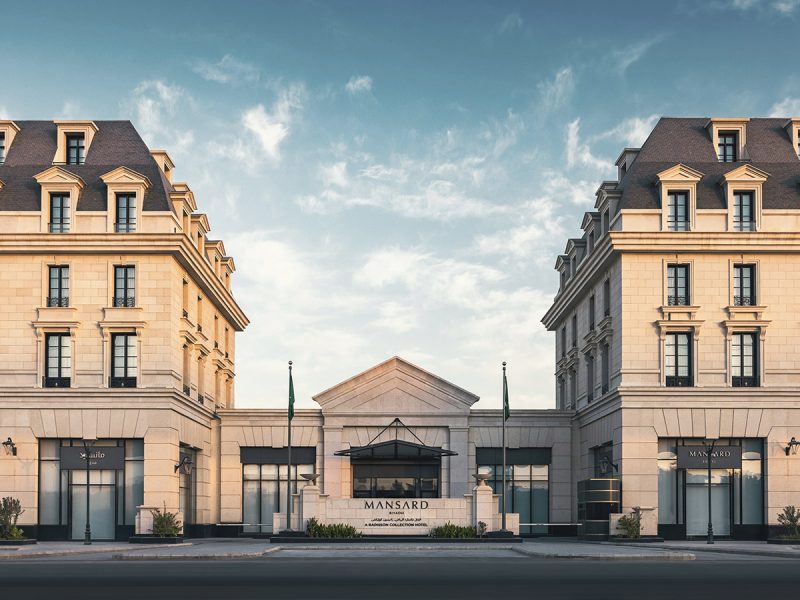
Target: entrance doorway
[
  {"x": 697, "y": 502},
  {"x": 102, "y": 497}
]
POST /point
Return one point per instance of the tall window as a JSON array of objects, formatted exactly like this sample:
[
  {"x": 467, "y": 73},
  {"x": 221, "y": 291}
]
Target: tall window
[
  {"x": 573, "y": 389},
  {"x": 126, "y": 213},
  {"x": 125, "y": 285},
  {"x": 574, "y": 330},
  {"x": 564, "y": 341},
  {"x": 75, "y": 149},
  {"x": 744, "y": 285},
  {"x": 606, "y": 367},
  {"x": 58, "y": 360},
  {"x": 606, "y": 298},
  {"x": 562, "y": 393},
  {"x": 59, "y": 213},
  {"x": 591, "y": 313},
  {"x": 678, "y": 285},
  {"x": 123, "y": 360},
  {"x": 264, "y": 491},
  {"x": 726, "y": 146},
  {"x": 678, "y": 359},
  {"x": 2, "y": 147},
  {"x": 743, "y": 214},
  {"x": 589, "y": 378},
  {"x": 58, "y": 293},
  {"x": 744, "y": 359},
  {"x": 678, "y": 211}
]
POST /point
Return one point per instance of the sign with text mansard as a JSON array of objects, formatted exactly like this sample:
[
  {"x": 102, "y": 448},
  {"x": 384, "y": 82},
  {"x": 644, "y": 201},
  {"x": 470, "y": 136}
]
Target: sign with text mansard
[
  {"x": 101, "y": 457},
  {"x": 723, "y": 457}
]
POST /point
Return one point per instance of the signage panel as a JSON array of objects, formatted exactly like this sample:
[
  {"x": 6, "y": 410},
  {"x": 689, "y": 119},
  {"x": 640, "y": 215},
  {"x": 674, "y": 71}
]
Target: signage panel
[
  {"x": 723, "y": 457},
  {"x": 100, "y": 457}
]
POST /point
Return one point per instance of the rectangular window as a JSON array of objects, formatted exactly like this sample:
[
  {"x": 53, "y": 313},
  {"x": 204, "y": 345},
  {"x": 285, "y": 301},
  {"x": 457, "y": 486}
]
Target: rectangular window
[
  {"x": 2, "y": 147},
  {"x": 75, "y": 149},
  {"x": 606, "y": 298},
  {"x": 124, "y": 286},
  {"x": 126, "y": 213},
  {"x": 743, "y": 214},
  {"x": 591, "y": 313},
  {"x": 678, "y": 211},
  {"x": 562, "y": 393},
  {"x": 678, "y": 285},
  {"x": 573, "y": 389},
  {"x": 563, "y": 341},
  {"x": 574, "y": 330},
  {"x": 57, "y": 360},
  {"x": 726, "y": 146},
  {"x": 678, "y": 359},
  {"x": 606, "y": 367},
  {"x": 527, "y": 487},
  {"x": 58, "y": 292},
  {"x": 589, "y": 378},
  {"x": 124, "y": 363},
  {"x": 744, "y": 285},
  {"x": 744, "y": 359},
  {"x": 59, "y": 213}
]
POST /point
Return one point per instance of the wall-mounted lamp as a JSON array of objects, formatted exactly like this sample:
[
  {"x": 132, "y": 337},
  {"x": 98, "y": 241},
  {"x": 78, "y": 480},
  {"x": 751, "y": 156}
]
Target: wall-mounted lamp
[
  {"x": 185, "y": 466},
  {"x": 792, "y": 447},
  {"x": 10, "y": 447},
  {"x": 606, "y": 465}
]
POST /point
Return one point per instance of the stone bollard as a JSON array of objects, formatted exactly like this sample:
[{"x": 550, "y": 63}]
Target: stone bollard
[
  {"x": 485, "y": 505},
  {"x": 309, "y": 504}
]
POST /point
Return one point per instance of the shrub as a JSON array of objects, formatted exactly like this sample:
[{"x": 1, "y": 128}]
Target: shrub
[
  {"x": 631, "y": 524},
  {"x": 10, "y": 510},
  {"x": 165, "y": 524},
  {"x": 481, "y": 529},
  {"x": 790, "y": 519},
  {"x": 316, "y": 529},
  {"x": 450, "y": 530}
]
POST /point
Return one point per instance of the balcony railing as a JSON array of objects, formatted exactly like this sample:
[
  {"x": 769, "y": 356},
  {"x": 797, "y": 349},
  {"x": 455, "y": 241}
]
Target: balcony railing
[
  {"x": 201, "y": 398},
  {"x": 679, "y": 381},
  {"x": 749, "y": 300},
  {"x": 58, "y": 301},
  {"x": 120, "y": 302},
  {"x": 125, "y": 227},
  {"x": 59, "y": 227},
  {"x": 678, "y": 300},
  {"x": 122, "y": 382},
  {"x": 56, "y": 382},
  {"x": 751, "y": 381},
  {"x": 187, "y": 390}
]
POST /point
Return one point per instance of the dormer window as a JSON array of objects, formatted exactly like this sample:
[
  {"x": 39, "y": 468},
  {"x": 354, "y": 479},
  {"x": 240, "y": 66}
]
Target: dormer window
[
  {"x": 126, "y": 213},
  {"x": 678, "y": 211},
  {"x": 8, "y": 130},
  {"x": 76, "y": 150},
  {"x": 59, "y": 213},
  {"x": 743, "y": 212},
  {"x": 2, "y": 147},
  {"x": 726, "y": 146}
]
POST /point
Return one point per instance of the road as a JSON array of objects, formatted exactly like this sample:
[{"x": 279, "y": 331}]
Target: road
[{"x": 387, "y": 577}]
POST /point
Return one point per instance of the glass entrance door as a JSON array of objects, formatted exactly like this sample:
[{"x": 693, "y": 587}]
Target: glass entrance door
[
  {"x": 102, "y": 492},
  {"x": 697, "y": 502}
]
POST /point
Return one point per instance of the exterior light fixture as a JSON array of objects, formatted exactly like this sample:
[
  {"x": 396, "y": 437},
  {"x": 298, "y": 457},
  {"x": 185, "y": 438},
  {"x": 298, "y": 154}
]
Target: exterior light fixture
[
  {"x": 184, "y": 466},
  {"x": 11, "y": 448},
  {"x": 606, "y": 465},
  {"x": 791, "y": 448}
]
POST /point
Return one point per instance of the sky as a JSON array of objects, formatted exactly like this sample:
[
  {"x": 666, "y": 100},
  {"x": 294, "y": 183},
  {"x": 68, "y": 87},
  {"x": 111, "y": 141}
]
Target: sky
[{"x": 396, "y": 178}]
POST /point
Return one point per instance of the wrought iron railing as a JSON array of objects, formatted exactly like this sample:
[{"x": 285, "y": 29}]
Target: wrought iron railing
[
  {"x": 187, "y": 390},
  {"x": 748, "y": 300},
  {"x": 56, "y": 382},
  {"x": 58, "y": 301},
  {"x": 122, "y": 382},
  {"x": 751, "y": 381},
  {"x": 678, "y": 300},
  {"x": 124, "y": 302},
  {"x": 679, "y": 381}
]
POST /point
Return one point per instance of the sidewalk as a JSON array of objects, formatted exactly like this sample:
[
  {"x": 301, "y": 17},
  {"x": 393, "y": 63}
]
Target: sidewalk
[
  {"x": 724, "y": 547},
  {"x": 45, "y": 549}
]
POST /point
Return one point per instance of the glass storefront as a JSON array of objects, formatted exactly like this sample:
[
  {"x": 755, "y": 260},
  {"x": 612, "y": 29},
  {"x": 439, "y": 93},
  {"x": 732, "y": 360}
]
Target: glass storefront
[
  {"x": 396, "y": 480},
  {"x": 114, "y": 494},
  {"x": 737, "y": 494},
  {"x": 264, "y": 493}
]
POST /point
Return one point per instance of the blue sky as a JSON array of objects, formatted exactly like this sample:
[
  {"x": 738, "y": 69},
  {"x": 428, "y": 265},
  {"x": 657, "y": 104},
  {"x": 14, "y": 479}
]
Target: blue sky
[{"x": 397, "y": 178}]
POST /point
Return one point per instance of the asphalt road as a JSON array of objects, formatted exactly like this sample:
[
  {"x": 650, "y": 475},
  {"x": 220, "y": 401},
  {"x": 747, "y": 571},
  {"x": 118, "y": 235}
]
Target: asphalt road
[{"x": 409, "y": 578}]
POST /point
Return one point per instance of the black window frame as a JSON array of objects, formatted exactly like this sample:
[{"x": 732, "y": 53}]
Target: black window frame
[
  {"x": 589, "y": 377},
  {"x": 574, "y": 331},
  {"x": 58, "y": 285},
  {"x": 741, "y": 380},
  {"x": 673, "y": 223},
  {"x": 563, "y": 341},
  {"x": 738, "y": 223},
  {"x": 677, "y": 295},
  {"x": 76, "y": 149},
  {"x": 591, "y": 312},
  {"x": 607, "y": 298},
  {"x": 744, "y": 294},
  {"x": 124, "y": 286},
  {"x": 62, "y": 377},
  {"x": 727, "y": 142},
  {"x": 2, "y": 147},
  {"x": 126, "y": 380},
  {"x": 675, "y": 379},
  {"x": 125, "y": 203},
  {"x": 60, "y": 202},
  {"x": 605, "y": 358}
]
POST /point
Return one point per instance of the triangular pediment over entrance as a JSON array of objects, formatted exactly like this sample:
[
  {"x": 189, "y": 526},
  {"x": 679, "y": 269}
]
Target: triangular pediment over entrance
[{"x": 395, "y": 387}]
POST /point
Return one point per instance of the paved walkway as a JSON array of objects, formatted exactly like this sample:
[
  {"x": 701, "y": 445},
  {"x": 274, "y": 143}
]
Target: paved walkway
[{"x": 726, "y": 547}]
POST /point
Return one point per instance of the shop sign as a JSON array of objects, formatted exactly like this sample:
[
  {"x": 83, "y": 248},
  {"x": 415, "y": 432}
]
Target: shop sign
[
  {"x": 722, "y": 457},
  {"x": 102, "y": 457}
]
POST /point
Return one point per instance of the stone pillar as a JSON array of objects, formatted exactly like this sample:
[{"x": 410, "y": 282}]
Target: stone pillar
[
  {"x": 144, "y": 519},
  {"x": 332, "y": 464},
  {"x": 309, "y": 504},
  {"x": 485, "y": 505},
  {"x": 459, "y": 464}
]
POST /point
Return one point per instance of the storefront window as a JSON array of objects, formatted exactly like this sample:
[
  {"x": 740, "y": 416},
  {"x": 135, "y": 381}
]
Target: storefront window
[
  {"x": 264, "y": 493},
  {"x": 527, "y": 493}
]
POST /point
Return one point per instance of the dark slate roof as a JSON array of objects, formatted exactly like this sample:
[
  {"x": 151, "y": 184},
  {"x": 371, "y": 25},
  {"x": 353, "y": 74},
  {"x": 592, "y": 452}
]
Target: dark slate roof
[
  {"x": 687, "y": 141},
  {"x": 116, "y": 144}
]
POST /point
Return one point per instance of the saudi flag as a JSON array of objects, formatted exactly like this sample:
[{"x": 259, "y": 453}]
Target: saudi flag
[
  {"x": 291, "y": 396},
  {"x": 506, "y": 410}
]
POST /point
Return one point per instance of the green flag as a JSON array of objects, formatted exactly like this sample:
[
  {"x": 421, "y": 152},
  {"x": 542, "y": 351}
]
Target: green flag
[
  {"x": 291, "y": 395},
  {"x": 506, "y": 410}
]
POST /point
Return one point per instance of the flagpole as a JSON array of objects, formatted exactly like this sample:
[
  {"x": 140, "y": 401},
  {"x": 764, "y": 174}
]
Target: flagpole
[
  {"x": 505, "y": 394},
  {"x": 290, "y": 414}
]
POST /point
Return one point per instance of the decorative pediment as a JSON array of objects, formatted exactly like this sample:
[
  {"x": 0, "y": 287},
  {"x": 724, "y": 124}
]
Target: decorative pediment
[
  {"x": 678, "y": 173},
  {"x": 124, "y": 175},
  {"x": 395, "y": 388},
  {"x": 57, "y": 174},
  {"x": 589, "y": 218},
  {"x": 746, "y": 173}
]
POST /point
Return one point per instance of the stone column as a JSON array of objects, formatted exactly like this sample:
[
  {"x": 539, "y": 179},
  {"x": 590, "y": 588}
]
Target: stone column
[
  {"x": 485, "y": 505},
  {"x": 459, "y": 464},
  {"x": 309, "y": 504}
]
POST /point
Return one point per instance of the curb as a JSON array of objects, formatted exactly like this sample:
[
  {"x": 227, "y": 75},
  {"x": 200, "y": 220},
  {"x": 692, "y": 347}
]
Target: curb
[
  {"x": 49, "y": 553},
  {"x": 403, "y": 547},
  {"x": 229, "y": 556},
  {"x": 670, "y": 556},
  {"x": 722, "y": 550}
]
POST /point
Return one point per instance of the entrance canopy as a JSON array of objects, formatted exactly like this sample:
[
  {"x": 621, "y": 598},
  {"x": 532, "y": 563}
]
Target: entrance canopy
[{"x": 395, "y": 450}]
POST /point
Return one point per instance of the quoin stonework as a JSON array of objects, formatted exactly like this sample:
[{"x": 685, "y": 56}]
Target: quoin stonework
[{"x": 673, "y": 322}]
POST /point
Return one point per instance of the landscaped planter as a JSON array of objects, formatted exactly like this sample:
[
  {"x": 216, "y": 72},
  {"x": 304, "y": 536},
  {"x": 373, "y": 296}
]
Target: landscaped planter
[
  {"x": 154, "y": 539},
  {"x": 23, "y": 542}
]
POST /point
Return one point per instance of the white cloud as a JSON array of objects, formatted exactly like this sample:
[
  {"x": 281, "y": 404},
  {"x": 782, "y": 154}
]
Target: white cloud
[
  {"x": 512, "y": 22},
  {"x": 4, "y": 114},
  {"x": 555, "y": 93},
  {"x": 154, "y": 106},
  {"x": 396, "y": 317},
  {"x": 334, "y": 174},
  {"x": 227, "y": 70},
  {"x": 788, "y": 107},
  {"x": 786, "y": 7},
  {"x": 632, "y": 131},
  {"x": 623, "y": 58},
  {"x": 359, "y": 84},
  {"x": 71, "y": 109},
  {"x": 578, "y": 152},
  {"x": 779, "y": 7}
]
